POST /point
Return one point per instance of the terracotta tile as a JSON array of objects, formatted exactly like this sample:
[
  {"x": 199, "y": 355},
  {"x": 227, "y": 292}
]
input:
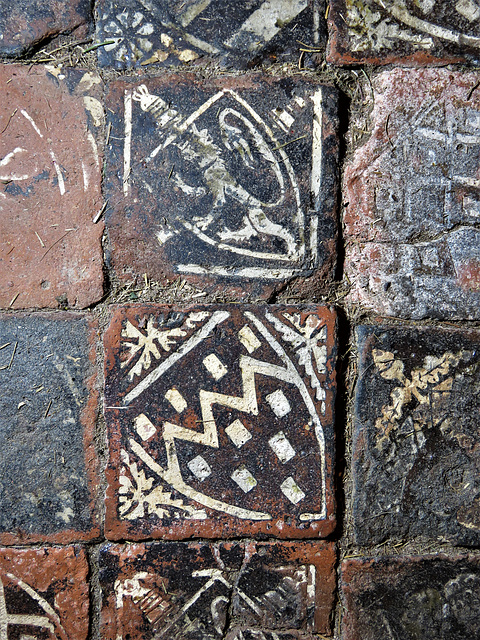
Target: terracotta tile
[
  {"x": 416, "y": 444},
  {"x": 225, "y": 31},
  {"x": 26, "y": 23},
  {"x": 432, "y": 597},
  {"x": 214, "y": 180},
  {"x": 220, "y": 421},
  {"x": 44, "y": 593},
  {"x": 48, "y": 407},
  {"x": 411, "y": 222},
  {"x": 418, "y": 32},
  {"x": 50, "y": 249},
  {"x": 234, "y": 590}
]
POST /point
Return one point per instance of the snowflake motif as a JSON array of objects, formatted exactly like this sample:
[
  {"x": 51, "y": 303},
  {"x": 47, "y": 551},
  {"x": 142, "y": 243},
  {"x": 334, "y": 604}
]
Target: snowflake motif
[
  {"x": 139, "y": 498},
  {"x": 127, "y": 46},
  {"x": 147, "y": 343}
]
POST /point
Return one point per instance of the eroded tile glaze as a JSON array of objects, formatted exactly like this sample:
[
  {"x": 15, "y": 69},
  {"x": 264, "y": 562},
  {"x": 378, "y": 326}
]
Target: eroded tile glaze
[{"x": 220, "y": 421}]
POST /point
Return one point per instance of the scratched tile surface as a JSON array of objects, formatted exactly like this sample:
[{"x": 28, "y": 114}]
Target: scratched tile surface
[
  {"x": 229, "y": 182},
  {"x": 24, "y": 23},
  {"x": 202, "y": 591},
  {"x": 47, "y": 411},
  {"x": 174, "y": 32},
  {"x": 44, "y": 594},
  {"x": 416, "y": 444},
  {"x": 407, "y": 31},
  {"x": 50, "y": 248},
  {"x": 430, "y": 597},
  {"x": 220, "y": 421},
  {"x": 413, "y": 198}
]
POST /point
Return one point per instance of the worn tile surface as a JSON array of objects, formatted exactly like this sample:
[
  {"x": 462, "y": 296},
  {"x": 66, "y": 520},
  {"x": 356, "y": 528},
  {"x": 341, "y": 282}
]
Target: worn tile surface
[
  {"x": 413, "y": 199},
  {"x": 220, "y": 421},
  {"x": 416, "y": 444},
  {"x": 433, "y": 598},
  {"x": 175, "y": 33},
  {"x": 47, "y": 410},
  {"x": 407, "y": 31},
  {"x": 24, "y": 23},
  {"x": 229, "y": 182},
  {"x": 50, "y": 250},
  {"x": 44, "y": 594},
  {"x": 237, "y": 591}
]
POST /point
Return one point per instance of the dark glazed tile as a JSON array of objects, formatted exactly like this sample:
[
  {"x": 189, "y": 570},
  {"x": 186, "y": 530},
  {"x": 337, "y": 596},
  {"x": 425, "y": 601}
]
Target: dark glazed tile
[
  {"x": 413, "y": 194},
  {"x": 220, "y": 421},
  {"x": 416, "y": 444},
  {"x": 173, "y": 32},
  {"x": 50, "y": 248},
  {"x": 209, "y": 591},
  {"x": 432, "y": 597},
  {"x": 417, "y": 32},
  {"x": 25, "y": 23},
  {"x": 228, "y": 182},
  {"x": 48, "y": 405},
  {"x": 44, "y": 593}
]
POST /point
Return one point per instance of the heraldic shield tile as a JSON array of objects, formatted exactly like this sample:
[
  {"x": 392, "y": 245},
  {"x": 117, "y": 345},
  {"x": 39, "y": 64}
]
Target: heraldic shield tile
[
  {"x": 220, "y": 421},
  {"x": 214, "y": 591},
  {"x": 229, "y": 182}
]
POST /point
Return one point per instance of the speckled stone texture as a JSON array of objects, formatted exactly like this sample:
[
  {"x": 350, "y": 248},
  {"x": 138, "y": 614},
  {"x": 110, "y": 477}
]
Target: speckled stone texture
[
  {"x": 50, "y": 248},
  {"x": 228, "y": 182},
  {"x": 232, "y": 590},
  {"x": 48, "y": 406},
  {"x": 412, "y": 198},
  {"x": 44, "y": 593},
  {"x": 416, "y": 32},
  {"x": 220, "y": 421},
  {"x": 416, "y": 443},
  {"x": 431, "y": 597}
]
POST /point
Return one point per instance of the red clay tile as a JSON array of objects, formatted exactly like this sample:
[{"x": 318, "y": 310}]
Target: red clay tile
[
  {"x": 415, "y": 32},
  {"x": 431, "y": 597},
  {"x": 412, "y": 198},
  {"x": 204, "y": 591},
  {"x": 220, "y": 421},
  {"x": 50, "y": 249},
  {"x": 48, "y": 407},
  {"x": 44, "y": 593},
  {"x": 229, "y": 182}
]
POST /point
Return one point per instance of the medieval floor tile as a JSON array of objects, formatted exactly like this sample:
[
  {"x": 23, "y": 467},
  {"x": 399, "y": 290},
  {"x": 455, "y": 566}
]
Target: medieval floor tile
[
  {"x": 431, "y": 597},
  {"x": 416, "y": 443},
  {"x": 50, "y": 248},
  {"x": 48, "y": 405},
  {"x": 412, "y": 198},
  {"x": 26, "y": 23},
  {"x": 140, "y": 33},
  {"x": 220, "y": 421},
  {"x": 228, "y": 181},
  {"x": 44, "y": 593},
  {"x": 204, "y": 591},
  {"x": 404, "y": 31}
]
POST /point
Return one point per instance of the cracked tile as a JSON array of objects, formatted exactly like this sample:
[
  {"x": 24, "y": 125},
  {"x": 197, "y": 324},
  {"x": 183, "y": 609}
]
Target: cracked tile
[{"x": 201, "y": 591}]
